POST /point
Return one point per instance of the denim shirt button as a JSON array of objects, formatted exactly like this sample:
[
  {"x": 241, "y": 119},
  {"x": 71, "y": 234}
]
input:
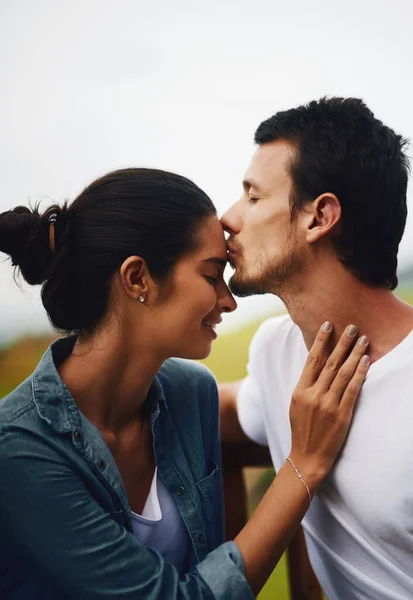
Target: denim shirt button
[
  {"x": 101, "y": 463},
  {"x": 181, "y": 490},
  {"x": 77, "y": 435},
  {"x": 200, "y": 538}
]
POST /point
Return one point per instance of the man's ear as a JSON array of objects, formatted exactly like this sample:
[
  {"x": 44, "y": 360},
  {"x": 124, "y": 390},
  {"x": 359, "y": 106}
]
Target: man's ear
[
  {"x": 135, "y": 278},
  {"x": 325, "y": 213}
]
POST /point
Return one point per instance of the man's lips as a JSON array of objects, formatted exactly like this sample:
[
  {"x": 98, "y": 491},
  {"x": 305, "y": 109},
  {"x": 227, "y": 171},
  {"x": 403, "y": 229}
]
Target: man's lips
[{"x": 231, "y": 255}]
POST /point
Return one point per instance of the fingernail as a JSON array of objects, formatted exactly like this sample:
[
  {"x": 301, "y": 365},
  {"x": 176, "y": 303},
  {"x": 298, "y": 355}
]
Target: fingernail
[
  {"x": 351, "y": 330},
  {"x": 365, "y": 360},
  {"x": 363, "y": 341},
  {"x": 327, "y": 326}
]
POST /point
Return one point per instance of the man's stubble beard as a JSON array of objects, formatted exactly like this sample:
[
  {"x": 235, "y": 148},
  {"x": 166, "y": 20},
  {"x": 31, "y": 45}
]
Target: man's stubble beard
[{"x": 270, "y": 279}]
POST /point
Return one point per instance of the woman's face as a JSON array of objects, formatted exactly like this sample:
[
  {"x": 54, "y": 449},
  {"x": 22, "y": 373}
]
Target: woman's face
[{"x": 195, "y": 296}]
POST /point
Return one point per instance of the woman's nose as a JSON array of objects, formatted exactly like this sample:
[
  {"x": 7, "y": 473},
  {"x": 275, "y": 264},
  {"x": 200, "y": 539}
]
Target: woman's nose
[{"x": 227, "y": 302}]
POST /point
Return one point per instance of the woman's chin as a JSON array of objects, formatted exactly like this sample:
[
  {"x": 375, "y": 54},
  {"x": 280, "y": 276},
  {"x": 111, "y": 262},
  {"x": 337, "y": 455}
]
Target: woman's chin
[{"x": 196, "y": 353}]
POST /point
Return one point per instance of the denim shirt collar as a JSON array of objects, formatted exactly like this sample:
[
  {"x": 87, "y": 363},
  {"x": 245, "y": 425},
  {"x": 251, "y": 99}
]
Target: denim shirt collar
[{"x": 53, "y": 400}]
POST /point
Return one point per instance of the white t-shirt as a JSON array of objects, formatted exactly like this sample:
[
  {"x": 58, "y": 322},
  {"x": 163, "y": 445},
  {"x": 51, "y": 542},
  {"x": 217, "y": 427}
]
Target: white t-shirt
[
  {"x": 359, "y": 528},
  {"x": 161, "y": 527}
]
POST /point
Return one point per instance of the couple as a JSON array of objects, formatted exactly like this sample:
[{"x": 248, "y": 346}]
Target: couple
[{"x": 110, "y": 452}]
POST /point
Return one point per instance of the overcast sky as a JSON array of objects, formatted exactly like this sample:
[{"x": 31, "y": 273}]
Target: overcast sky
[{"x": 88, "y": 86}]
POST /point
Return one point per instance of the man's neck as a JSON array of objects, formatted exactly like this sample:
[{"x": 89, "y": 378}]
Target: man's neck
[{"x": 341, "y": 298}]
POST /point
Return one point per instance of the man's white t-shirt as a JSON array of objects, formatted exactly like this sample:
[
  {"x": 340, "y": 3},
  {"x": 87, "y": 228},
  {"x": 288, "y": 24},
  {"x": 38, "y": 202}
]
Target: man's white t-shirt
[{"x": 359, "y": 528}]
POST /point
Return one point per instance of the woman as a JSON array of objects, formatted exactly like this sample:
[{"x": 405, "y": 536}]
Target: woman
[{"x": 109, "y": 452}]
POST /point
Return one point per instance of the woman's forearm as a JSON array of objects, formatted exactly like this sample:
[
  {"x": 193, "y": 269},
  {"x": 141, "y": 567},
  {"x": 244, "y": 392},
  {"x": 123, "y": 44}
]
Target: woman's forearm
[{"x": 267, "y": 534}]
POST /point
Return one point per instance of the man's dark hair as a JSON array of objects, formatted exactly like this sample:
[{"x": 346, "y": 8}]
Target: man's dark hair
[{"x": 343, "y": 149}]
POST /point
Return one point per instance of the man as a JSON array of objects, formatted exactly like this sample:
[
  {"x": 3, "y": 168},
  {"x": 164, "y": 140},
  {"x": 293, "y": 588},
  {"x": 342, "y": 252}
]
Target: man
[{"x": 319, "y": 225}]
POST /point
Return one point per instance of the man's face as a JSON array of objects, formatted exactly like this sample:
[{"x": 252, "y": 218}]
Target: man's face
[{"x": 262, "y": 243}]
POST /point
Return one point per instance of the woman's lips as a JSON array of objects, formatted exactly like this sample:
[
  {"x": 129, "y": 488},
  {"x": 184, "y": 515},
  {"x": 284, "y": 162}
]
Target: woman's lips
[{"x": 210, "y": 326}]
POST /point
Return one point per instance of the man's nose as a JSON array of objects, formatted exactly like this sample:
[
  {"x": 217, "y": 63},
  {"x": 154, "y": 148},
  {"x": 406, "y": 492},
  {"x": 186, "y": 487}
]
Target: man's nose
[{"x": 230, "y": 220}]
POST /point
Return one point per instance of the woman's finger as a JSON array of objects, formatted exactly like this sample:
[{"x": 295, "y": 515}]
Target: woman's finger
[
  {"x": 353, "y": 389},
  {"x": 336, "y": 358},
  {"x": 347, "y": 371},
  {"x": 316, "y": 356}
]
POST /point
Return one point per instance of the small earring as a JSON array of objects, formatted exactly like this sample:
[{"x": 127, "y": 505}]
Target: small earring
[{"x": 141, "y": 298}]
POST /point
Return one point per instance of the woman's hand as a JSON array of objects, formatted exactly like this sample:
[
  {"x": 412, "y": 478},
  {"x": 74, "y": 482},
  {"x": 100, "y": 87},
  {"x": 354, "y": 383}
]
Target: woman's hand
[{"x": 323, "y": 401}]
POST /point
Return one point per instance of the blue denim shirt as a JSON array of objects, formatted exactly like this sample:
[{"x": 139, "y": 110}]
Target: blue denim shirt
[{"x": 65, "y": 530}]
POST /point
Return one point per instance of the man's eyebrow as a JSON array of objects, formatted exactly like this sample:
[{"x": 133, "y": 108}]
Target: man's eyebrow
[
  {"x": 215, "y": 259},
  {"x": 250, "y": 183}
]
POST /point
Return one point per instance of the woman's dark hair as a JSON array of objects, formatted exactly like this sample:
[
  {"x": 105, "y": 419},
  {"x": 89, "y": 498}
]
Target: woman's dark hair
[
  {"x": 145, "y": 212},
  {"x": 342, "y": 148}
]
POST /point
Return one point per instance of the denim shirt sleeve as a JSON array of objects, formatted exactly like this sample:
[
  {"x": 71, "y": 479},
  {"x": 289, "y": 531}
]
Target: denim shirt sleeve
[{"x": 83, "y": 550}]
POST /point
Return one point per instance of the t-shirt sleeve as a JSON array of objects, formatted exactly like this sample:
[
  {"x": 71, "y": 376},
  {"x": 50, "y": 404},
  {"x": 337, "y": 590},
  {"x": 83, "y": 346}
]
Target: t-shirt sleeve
[
  {"x": 251, "y": 410},
  {"x": 250, "y": 401}
]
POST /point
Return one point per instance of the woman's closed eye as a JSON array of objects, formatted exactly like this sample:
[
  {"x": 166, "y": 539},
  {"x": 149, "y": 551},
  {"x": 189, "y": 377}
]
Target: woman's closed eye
[{"x": 212, "y": 280}]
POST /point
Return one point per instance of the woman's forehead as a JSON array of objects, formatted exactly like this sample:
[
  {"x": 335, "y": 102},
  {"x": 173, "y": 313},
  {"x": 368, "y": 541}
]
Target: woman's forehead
[{"x": 211, "y": 240}]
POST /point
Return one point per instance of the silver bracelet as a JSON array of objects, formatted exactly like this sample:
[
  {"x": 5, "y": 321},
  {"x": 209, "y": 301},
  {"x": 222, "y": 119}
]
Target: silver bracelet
[{"x": 301, "y": 478}]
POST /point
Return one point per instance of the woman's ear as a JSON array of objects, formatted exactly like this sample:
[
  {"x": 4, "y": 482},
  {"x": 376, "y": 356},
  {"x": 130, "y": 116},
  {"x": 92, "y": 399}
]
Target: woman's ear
[
  {"x": 135, "y": 278},
  {"x": 325, "y": 214}
]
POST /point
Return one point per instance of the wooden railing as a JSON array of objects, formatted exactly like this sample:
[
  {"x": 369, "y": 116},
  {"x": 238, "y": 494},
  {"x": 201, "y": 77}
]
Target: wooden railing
[{"x": 303, "y": 582}]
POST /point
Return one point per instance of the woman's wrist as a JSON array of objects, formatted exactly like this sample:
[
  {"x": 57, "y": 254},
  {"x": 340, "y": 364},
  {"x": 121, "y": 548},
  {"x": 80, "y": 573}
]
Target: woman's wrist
[{"x": 311, "y": 470}]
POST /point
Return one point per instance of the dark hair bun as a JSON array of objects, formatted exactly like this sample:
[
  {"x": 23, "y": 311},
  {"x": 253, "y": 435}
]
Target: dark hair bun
[
  {"x": 24, "y": 237},
  {"x": 130, "y": 212}
]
